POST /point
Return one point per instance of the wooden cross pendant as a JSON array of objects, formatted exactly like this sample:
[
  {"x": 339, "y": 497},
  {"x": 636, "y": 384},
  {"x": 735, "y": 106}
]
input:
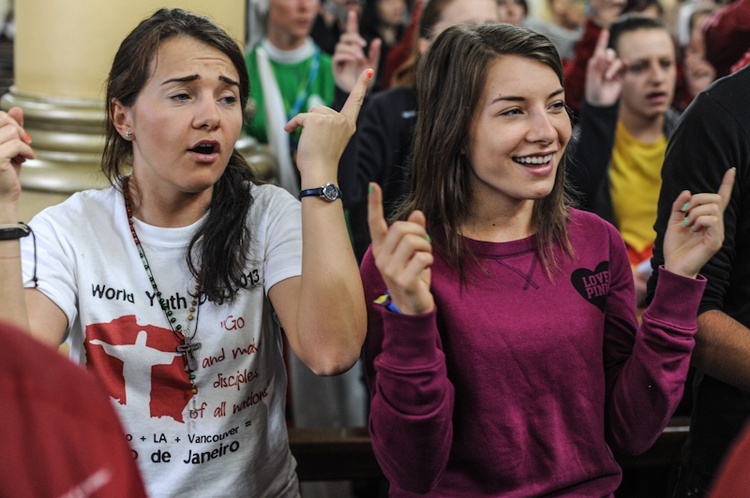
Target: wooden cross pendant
[{"x": 186, "y": 349}]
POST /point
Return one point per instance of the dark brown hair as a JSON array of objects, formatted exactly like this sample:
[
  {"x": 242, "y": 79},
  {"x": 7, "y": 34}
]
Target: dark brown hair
[
  {"x": 630, "y": 22},
  {"x": 450, "y": 82},
  {"x": 218, "y": 253}
]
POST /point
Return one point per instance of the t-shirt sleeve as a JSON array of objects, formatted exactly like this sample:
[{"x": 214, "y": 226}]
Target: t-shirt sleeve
[
  {"x": 48, "y": 255},
  {"x": 278, "y": 218}
]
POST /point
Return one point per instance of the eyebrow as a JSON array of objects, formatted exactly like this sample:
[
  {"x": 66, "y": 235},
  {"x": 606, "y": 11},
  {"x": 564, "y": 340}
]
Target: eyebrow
[
  {"x": 194, "y": 77},
  {"x": 521, "y": 99}
]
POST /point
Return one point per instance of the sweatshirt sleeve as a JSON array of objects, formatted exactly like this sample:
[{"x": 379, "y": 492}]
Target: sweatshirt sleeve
[
  {"x": 411, "y": 396},
  {"x": 646, "y": 371},
  {"x": 590, "y": 152}
]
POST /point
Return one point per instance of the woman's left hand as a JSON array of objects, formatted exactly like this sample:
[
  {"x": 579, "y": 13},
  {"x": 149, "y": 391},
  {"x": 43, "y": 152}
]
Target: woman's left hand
[
  {"x": 695, "y": 231},
  {"x": 325, "y": 134}
]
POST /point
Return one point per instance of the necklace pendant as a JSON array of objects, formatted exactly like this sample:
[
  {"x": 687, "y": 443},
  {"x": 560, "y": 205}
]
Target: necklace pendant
[{"x": 186, "y": 349}]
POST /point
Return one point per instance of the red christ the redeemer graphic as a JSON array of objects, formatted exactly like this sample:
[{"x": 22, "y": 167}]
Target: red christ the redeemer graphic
[{"x": 139, "y": 366}]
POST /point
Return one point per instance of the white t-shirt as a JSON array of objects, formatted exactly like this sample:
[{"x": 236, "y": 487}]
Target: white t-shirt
[{"x": 230, "y": 438}]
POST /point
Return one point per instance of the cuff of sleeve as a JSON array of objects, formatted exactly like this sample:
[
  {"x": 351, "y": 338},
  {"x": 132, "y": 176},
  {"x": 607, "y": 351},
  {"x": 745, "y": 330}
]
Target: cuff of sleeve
[
  {"x": 410, "y": 336},
  {"x": 677, "y": 298}
]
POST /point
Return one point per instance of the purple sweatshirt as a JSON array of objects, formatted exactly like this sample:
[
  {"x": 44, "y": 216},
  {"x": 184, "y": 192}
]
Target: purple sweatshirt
[{"x": 518, "y": 385}]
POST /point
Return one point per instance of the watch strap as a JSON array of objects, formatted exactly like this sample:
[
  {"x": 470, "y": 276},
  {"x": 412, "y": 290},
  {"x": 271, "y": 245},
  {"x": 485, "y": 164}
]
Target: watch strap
[
  {"x": 316, "y": 192},
  {"x": 329, "y": 192},
  {"x": 12, "y": 231}
]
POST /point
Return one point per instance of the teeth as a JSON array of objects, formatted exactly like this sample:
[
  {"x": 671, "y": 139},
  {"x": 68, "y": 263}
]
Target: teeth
[{"x": 534, "y": 159}]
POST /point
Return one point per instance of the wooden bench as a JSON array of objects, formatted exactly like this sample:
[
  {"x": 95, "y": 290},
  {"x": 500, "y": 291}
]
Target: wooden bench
[
  {"x": 345, "y": 454},
  {"x": 334, "y": 454}
]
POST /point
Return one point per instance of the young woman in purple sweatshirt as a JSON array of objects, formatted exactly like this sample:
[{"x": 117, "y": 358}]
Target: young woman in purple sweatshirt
[{"x": 504, "y": 355}]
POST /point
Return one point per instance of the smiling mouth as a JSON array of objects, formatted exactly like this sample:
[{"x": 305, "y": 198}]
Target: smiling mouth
[{"x": 534, "y": 160}]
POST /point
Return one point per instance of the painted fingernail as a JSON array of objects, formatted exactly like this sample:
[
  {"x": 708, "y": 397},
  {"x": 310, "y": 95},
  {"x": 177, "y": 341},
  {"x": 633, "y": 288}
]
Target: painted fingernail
[
  {"x": 369, "y": 73},
  {"x": 429, "y": 239},
  {"x": 370, "y": 189},
  {"x": 685, "y": 206},
  {"x": 685, "y": 221},
  {"x": 27, "y": 138}
]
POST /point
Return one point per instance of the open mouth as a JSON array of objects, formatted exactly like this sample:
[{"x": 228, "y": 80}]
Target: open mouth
[
  {"x": 656, "y": 96},
  {"x": 534, "y": 160},
  {"x": 205, "y": 148}
]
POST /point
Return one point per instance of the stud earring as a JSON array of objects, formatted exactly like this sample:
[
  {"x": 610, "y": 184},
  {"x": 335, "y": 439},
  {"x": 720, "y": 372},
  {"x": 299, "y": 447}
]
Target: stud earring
[{"x": 128, "y": 135}]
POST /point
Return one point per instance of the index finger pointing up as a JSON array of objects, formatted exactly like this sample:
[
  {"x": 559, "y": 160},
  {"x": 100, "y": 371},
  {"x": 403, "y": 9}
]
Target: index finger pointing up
[
  {"x": 602, "y": 41},
  {"x": 375, "y": 218},
  {"x": 725, "y": 189},
  {"x": 357, "y": 96},
  {"x": 352, "y": 24}
]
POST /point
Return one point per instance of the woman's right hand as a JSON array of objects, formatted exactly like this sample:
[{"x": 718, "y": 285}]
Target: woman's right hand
[
  {"x": 14, "y": 150},
  {"x": 403, "y": 255}
]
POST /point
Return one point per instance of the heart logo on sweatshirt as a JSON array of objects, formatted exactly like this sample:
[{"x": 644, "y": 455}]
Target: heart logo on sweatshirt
[{"x": 593, "y": 286}]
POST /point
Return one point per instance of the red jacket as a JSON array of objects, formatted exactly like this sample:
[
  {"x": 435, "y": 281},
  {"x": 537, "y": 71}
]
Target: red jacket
[
  {"x": 575, "y": 69},
  {"x": 60, "y": 434}
]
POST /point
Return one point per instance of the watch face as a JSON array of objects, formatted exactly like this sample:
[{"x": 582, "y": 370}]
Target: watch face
[{"x": 330, "y": 192}]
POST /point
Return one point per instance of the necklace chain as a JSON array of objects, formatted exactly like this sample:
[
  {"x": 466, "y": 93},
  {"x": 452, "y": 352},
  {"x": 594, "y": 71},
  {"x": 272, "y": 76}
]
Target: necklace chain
[{"x": 187, "y": 346}]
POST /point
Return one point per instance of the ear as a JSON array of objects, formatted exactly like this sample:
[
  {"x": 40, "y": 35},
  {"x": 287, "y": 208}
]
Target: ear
[
  {"x": 121, "y": 117},
  {"x": 422, "y": 45}
]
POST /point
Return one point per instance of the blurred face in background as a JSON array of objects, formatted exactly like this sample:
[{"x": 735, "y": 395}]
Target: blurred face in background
[
  {"x": 290, "y": 21},
  {"x": 650, "y": 74},
  {"x": 568, "y": 13},
  {"x": 604, "y": 12},
  {"x": 460, "y": 12},
  {"x": 391, "y": 12},
  {"x": 511, "y": 11}
]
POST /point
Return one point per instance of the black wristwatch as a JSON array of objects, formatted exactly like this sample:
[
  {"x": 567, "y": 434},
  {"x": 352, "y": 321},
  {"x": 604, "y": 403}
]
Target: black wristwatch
[
  {"x": 329, "y": 192},
  {"x": 14, "y": 231}
]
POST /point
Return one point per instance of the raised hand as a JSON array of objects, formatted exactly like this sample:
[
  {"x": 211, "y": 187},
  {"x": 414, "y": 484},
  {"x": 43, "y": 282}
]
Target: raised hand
[
  {"x": 695, "y": 231},
  {"x": 403, "y": 255},
  {"x": 325, "y": 135},
  {"x": 603, "y": 74},
  {"x": 349, "y": 59},
  {"x": 14, "y": 150}
]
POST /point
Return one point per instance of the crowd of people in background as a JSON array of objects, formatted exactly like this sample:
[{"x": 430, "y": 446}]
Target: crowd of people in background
[
  {"x": 630, "y": 68},
  {"x": 588, "y": 159}
]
